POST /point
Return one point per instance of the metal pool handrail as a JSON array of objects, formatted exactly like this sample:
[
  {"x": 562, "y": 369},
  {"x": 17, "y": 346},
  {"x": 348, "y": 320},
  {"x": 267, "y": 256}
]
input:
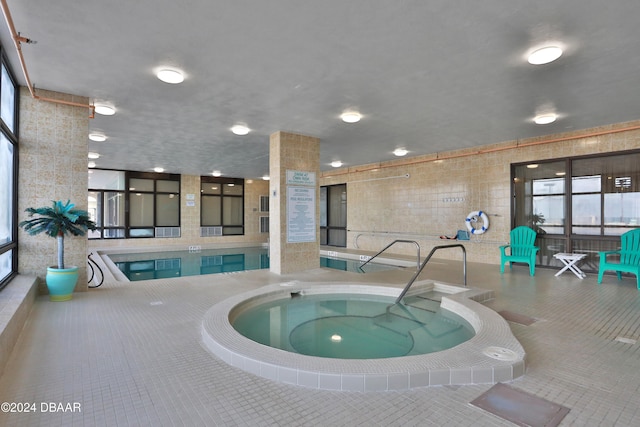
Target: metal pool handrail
[
  {"x": 435, "y": 248},
  {"x": 393, "y": 243}
]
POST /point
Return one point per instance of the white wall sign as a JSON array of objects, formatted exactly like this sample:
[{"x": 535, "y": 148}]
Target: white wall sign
[{"x": 301, "y": 214}]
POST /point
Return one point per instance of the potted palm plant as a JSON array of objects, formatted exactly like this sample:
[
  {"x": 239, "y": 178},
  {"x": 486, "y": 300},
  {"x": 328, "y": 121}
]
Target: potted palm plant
[{"x": 57, "y": 221}]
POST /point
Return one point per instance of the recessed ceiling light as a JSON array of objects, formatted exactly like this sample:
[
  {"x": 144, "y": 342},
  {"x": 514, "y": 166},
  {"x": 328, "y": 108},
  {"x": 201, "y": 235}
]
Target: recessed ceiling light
[
  {"x": 158, "y": 169},
  {"x": 216, "y": 173},
  {"x": 170, "y": 76},
  {"x": 266, "y": 177},
  {"x": 532, "y": 166},
  {"x": 351, "y": 116},
  {"x": 92, "y": 164},
  {"x": 240, "y": 129},
  {"x": 97, "y": 137},
  {"x": 336, "y": 163},
  {"x": 400, "y": 152},
  {"x": 544, "y": 55},
  {"x": 545, "y": 119},
  {"x": 94, "y": 155},
  {"x": 105, "y": 110}
]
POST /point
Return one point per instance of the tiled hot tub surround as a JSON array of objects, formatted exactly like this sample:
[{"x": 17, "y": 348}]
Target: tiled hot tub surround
[{"x": 468, "y": 363}]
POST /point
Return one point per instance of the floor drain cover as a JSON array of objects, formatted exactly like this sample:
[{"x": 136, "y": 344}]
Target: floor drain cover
[
  {"x": 500, "y": 353},
  {"x": 519, "y": 407}
]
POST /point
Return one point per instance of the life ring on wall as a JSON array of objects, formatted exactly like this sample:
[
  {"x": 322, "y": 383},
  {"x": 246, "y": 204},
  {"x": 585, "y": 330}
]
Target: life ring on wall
[{"x": 473, "y": 217}]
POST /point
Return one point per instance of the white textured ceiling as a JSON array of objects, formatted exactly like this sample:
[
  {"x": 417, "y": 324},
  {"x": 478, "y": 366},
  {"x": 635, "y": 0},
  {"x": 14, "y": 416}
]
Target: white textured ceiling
[{"x": 429, "y": 76}]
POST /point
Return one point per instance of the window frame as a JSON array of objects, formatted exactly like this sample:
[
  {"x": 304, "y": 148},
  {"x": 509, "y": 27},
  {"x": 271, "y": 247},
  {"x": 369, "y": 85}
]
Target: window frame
[
  {"x": 126, "y": 194},
  {"x": 226, "y": 227},
  {"x": 11, "y": 246},
  {"x": 569, "y": 240}
]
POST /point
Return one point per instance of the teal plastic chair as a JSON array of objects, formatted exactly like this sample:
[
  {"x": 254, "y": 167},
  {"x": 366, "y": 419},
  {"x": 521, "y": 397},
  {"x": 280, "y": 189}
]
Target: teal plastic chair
[
  {"x": 521, "y": 249},
  {"x": 629, "y": 253}
]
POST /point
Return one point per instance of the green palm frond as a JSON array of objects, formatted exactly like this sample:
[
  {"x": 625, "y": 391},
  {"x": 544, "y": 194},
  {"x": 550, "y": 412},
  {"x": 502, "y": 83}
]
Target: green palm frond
[{"x": 58, "y": 220}]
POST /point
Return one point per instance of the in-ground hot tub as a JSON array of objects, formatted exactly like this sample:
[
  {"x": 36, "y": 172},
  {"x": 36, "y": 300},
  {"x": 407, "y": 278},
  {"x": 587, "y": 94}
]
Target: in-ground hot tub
[{"x": 491, "y": 355}]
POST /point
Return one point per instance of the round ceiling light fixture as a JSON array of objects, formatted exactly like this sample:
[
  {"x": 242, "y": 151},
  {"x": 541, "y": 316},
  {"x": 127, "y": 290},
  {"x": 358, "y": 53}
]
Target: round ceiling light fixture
[
  {"x": 336, "y": 163},
  {"x": 266, "y": 178},
  {"x": 544, "y": 55},
  {"x": 216, "y": 173},
  {"x": 158, "y": 169},
  {"x": 400, "y": 152},
  {"x": 92, "y": 164},
  {"x": 545, "y": 119},
  {"x": 105, "y": 110},
  {"x": 93, "y": 155},
  {"x": 170, "y": 76},
  {"x": 351, "y": 117},
  {"x": 240, "y": 129},
  {"x": 97, "y": 137}
]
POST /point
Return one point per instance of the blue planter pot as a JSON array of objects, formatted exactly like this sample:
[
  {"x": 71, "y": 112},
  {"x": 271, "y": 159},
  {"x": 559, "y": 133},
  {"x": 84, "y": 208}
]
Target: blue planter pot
[{"x": 61, "y": 282}]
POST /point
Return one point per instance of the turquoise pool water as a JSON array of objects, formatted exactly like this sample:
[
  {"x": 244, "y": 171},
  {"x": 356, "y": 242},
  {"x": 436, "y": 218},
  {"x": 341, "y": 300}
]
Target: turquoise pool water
[
  {"x": 353, "y": 326},
  {"x": 163, "y": 265}
]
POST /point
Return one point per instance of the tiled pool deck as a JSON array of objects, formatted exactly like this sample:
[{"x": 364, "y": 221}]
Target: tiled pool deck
[{"x": 131, "y": 354}]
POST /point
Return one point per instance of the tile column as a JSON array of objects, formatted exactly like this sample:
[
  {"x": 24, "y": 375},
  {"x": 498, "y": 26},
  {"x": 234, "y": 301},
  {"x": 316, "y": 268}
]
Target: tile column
[{"x": 294, "y": 209}]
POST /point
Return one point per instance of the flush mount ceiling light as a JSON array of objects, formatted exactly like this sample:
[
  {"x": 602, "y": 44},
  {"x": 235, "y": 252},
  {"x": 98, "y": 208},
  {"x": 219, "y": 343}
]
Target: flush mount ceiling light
[
  {"x": 158, "y": 169},
  {"x": 336, "y": 163},
  {"x": 545, "y": 119},
  {"x": 400, "y": 152},
  {"x": 94, "y": 155},
  {"x": 351, "y": 117},
  {"x": 240, "y": 129},
  {"x": 544, "y": 55},
  {"x": 105, "y": 110},
  {"x": 92, "y": 164},
  {"x": 170, "y": 76},
  {"x": 97, "y": 137},
  {"x": 216, "y": 173},
  {"x": 266, "y": 178}
]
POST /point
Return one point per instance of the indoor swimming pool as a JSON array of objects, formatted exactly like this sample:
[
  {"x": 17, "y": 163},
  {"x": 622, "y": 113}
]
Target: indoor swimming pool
[{"x": 194, "y": 262}]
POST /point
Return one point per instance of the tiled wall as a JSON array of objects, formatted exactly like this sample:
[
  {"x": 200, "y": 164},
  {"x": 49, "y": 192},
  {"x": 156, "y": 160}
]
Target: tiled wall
[
  {"x": 383, "y": 205},
  {"x": 53, "y": 166}
]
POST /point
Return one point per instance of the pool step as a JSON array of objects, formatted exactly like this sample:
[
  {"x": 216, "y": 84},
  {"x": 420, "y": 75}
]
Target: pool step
[
  {"x": 423, "y": 303},
  {"x": 399, "y": 324}
]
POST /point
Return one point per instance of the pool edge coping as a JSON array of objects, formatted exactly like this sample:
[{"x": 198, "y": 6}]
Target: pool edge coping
[{"x": 467, "y": 363}]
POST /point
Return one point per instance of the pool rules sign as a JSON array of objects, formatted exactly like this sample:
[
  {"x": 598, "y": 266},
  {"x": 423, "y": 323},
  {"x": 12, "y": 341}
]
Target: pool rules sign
[{"x": 301, "y": 206}]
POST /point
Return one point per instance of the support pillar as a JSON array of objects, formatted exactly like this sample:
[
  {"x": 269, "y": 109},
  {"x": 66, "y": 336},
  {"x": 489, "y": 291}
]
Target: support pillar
[{"x": 294, "y": 208}]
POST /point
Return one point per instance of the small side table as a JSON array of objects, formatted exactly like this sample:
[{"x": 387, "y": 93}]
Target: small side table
[{"x": 570, "y": 261}]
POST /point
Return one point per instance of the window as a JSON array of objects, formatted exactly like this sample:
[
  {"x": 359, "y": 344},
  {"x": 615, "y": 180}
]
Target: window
[
  {"x": 154, "y": 202},
  {"x": 8, "y": 175},
  {"x": 222, "y": 205},
  {"x": 333, "y": 215},
  {"x": 578, "y": 204},
  {"x": 107, "y": 203},
  {"x": 134, "y": 204}
]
